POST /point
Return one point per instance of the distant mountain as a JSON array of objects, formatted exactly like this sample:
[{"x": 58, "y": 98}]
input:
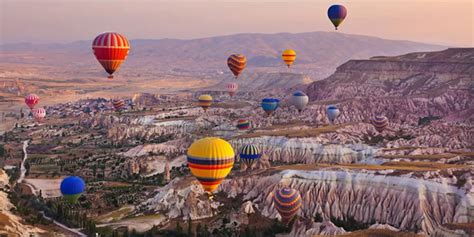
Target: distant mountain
[
  {"x": 318, "y": 53},
  {"x": 263, "y": 82}
]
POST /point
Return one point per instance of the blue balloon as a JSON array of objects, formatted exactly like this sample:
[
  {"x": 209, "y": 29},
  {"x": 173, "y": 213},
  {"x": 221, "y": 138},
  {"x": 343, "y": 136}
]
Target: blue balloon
[
  {"x": 72, "y": 185},
  {"x": 332, "y": 113},
  {"x": 337, "y": 14},
  {"x": 269, "y": 105}
]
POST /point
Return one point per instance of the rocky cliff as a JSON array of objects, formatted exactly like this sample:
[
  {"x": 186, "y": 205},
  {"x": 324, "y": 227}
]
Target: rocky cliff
[
  {"x": 417, "y": 84},
  {"x": 407, "y": 203},
  {"x": 11, "y": 224}
]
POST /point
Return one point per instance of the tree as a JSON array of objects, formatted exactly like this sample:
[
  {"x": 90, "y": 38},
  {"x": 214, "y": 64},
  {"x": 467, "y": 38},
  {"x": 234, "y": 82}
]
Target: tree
[
  {"x": 179, "y": 229},
  {"x": 190, "y": 228},
  {"x": 198, "y": 228}
]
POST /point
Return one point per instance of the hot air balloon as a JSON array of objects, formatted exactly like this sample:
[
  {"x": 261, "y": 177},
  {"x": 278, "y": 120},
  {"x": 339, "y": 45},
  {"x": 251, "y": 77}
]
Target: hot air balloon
[
  {"x": 210, "y": 160},
  {"x": 236, "y": 63},
  {"x": 269, "y": 105},
  {"x": 332, "y": 112},
  {"x": 38, "y": 114},
  {"x": 72, "y": 187},
  {"x": 249, "y": 154},
  {"x": 288, "y": 56},
  {"x": 205, "y": 101},
  {"x": 118, "y": 104},
  {"x": 243, "y": 124},
  {"x": 380, "y": 122},
  {"x": 232, "y": 88},
  {"x": 110, "y": 49},
  {"x": 31, "y": 100},
  {"x": 336, "y": 14},
  {"x": 287, "y": 202},
  {"x": 299, "y": 100}
]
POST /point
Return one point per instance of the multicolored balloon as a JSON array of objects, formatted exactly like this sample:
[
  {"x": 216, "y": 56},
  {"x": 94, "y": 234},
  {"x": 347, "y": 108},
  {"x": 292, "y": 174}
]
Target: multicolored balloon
[
  {"x": 232, "y": 88},
  {"x": 332, "y": 112},
  {"x": 118, "y": 104},
  {"x": 299, "y": 100},
  {"x": 249, "y": 154},
  {"x": 337, "y": 14},
  {"x": 110, "y": 49},
  {"x": 380, "y": 122},
  {"x": 288, "y": 56},
  {"x": 269, "y": 105},
  {"x": 38, "y": 114},
  {"x": 205, "y": 101},
  {"x": 210, "y": 161},
  {"x": 236, "y": 63},
  {"x": 72, "y": 187},
  {"x": 287, "y": 202},
  {"x": 243, "y": 124},
  {"x": 31, "y": 100}
]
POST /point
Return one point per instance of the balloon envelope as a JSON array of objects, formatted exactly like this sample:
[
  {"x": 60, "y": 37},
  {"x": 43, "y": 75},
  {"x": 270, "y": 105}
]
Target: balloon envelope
[
  {"x": 38, "y": 114},
  {"x": 232, "y": 88},
  {"x": 299, "y": 100},
  {"x": 31, "y": 100},
  {"x": 287, "y": 202},
  {"x": 118, "y": 104},
  {"x": 337, "y": 14},
  {"x": 210, "y": 161},
  {"x": 110, "y": 49},
  {"x": 380, "y": 122},
  {"x": 205, "y": 101},
  {"x": 243, "y": 124},
  {"x": 72, "y": 187},
  {"x": 269, "y": 105},
  {"x": 236, "y": 63},
  {"x": 249, "y": 154},
  {"x": 332, "y": 112},
  {"x": 288, "y": 56}
]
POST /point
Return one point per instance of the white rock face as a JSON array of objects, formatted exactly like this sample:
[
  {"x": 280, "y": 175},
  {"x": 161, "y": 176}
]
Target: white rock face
[
  {"x": 405, "y": 203},
  {"x": 306, "y": 150},
  {"x": 183, "y": 202},
  {"x": 247, "y": 207},
  {"x": 10, "y": 224}
]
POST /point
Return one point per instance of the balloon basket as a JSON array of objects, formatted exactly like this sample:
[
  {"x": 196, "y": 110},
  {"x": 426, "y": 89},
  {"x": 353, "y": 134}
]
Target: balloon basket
[{"x": 110, "y": 77}]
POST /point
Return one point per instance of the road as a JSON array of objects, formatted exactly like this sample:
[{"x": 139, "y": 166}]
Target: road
[
  {"x": 20, "y": 179},
  {"x": 22, "y": 167}
]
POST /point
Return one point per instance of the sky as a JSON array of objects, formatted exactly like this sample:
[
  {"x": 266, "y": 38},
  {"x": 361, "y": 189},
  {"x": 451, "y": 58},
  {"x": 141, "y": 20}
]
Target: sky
[{"x": 446, "y": 22}]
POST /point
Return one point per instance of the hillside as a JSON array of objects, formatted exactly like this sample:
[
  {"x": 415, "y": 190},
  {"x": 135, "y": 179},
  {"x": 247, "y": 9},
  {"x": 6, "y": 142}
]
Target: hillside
[{"x": 429, "y": 83}]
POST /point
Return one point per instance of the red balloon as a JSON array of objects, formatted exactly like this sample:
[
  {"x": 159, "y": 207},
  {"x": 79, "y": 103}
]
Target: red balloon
[
  {"x": 39, "y": 114},
  {"x": 232, "y": 88},
  {"x": 110, "y": 49},
  {"x": 31, "y": 100}
]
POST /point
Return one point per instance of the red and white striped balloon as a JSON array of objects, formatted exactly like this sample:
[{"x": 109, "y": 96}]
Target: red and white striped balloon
[
  {"x": 232, "y": 88},
  {"x": 39, "y": 114},
  {"x": 110, "y": 49},
  {"x": 31, "y": 100}
]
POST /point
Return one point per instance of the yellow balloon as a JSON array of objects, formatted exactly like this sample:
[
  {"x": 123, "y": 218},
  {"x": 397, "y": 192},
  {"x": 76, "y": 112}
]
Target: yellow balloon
[
  {"x": 205, "y": 101},
  {"x": 210, "y": 160},
  {"x": 288, "y": 56}
]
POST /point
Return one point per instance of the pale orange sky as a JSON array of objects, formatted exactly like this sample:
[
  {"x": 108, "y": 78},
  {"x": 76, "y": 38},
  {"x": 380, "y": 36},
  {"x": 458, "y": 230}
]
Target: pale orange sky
[{"x": 448, "y": 22}]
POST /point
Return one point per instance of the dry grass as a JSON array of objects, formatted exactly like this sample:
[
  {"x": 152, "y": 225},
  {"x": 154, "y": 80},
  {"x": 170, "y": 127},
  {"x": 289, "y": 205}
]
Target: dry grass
[
  {"x": 294, "y": 133},
  {"x": 379, "y": 233},
  {"x": 420, "y": 157},
  {"x": 115, "y": 215},
  {"x": 405, "y": 148},
  {"x": 406, "y": 166},
  {"x": 468, "y": 227}
]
